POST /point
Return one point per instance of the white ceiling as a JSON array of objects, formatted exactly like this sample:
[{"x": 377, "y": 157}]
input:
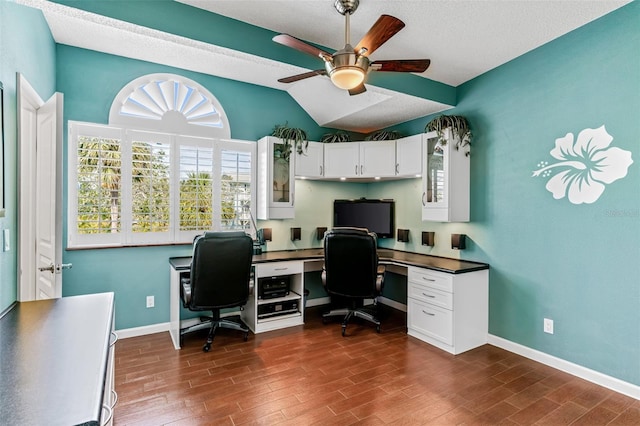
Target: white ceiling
[{"x": 463, "y": 39}]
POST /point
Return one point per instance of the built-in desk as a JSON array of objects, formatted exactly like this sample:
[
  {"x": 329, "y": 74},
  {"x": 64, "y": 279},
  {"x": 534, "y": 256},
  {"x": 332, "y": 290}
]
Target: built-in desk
[
  {"x": 447, "y": 302},
  {"x": 57, "y": 362}
]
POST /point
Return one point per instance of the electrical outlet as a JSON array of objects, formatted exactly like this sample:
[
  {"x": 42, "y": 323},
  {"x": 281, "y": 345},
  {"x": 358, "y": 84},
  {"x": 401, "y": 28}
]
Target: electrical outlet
[
  {"x": 548, "y": 325},
  {"x": 150, "y": 301}
]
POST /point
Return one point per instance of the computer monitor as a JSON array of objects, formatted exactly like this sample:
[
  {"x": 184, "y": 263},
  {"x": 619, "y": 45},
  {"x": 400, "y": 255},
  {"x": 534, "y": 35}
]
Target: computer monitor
[{"x": 376, "y": 215}]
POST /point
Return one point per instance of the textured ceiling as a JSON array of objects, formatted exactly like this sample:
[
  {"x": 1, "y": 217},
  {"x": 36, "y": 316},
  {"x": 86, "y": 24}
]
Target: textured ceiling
[{"x": 463, "y": 39}]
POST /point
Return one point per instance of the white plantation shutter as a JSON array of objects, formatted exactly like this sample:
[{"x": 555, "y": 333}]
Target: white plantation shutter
[{"x": 136, "y": 187}]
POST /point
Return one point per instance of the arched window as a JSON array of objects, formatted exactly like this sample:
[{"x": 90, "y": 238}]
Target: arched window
[
  {"x": 169, "y": 103},
  {"x": 164, "y": 170}
]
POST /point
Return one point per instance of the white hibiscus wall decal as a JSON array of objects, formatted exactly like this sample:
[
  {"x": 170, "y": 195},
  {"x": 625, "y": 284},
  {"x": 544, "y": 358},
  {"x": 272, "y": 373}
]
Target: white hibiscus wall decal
[{"x": 586, "y": 166}]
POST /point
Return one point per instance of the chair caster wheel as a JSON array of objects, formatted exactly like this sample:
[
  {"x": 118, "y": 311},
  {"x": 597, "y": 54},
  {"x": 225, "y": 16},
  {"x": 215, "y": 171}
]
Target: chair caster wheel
[
  {"x": 377, "y": 328},
  {"x": 324, "y": 320},
  {"x": 206, "y": 348},
  {"x": 344, "y": 331},
  {"x": 246, "y": 336}
]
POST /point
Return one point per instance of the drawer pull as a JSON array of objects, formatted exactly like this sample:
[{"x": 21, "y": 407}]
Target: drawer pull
[
  {"x": 429, "y": 295},
  {"x": 428, "y": 313},
  {"x": 280, "y": 269},
  {"x": 428, "y": 279}
]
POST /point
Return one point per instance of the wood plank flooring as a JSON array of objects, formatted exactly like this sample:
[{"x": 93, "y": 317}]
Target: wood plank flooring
[{"x": 312, "y": 375}]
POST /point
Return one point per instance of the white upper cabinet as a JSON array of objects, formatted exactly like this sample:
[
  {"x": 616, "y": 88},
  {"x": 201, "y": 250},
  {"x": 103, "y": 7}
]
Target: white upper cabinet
[
  {"x": 359, "y": 159},
  {"x": 377, "y": 159},
  {"x": 341, "y": 160},
  {"x": 275, "y": 180},
  {"x": 310, "y": 163},
  {"x": 409, "y": 156},
  {"x": 445, "y": 180}
]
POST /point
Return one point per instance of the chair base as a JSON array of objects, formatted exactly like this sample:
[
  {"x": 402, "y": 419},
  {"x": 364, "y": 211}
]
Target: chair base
[
  {"x": 349, "y": 313},
  {"x": 214, "y": 324}
]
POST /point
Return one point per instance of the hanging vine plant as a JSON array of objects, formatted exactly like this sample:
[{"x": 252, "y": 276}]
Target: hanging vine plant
[
  {"x": 292, "y": 137},
  {"x": 338, "y": 136},
  {"x": 459, "y": 128},
  {"x": 383, "y": 135}
]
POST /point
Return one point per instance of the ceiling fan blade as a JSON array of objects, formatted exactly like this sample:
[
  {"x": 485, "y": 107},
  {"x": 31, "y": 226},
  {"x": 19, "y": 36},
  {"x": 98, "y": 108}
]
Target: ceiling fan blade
[
  {"x": 385, "y": 27},
  {"x": 357, "y": 90},
  {"x": 401, "y": 65},
  {"x": 294, "y": 43},
  {"x": 302, "y": 76}
]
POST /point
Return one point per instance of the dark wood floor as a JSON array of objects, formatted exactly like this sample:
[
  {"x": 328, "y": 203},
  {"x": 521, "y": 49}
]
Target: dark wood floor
[{"x": 312, "y": 375}]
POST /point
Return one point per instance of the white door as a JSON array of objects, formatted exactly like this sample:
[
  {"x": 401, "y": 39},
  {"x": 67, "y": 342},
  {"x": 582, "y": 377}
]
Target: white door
[{"x": 40, "y": 194}]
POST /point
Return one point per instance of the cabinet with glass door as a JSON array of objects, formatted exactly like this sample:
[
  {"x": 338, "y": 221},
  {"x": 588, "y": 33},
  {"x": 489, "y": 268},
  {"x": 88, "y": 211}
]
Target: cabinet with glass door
[
  {"x": 445, "y": 179},
  {"x": 275, "y": 179}
]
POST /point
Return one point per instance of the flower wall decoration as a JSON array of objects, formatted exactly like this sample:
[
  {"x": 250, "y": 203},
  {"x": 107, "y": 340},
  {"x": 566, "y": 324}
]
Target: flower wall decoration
[{"x": 586, "y": 166}]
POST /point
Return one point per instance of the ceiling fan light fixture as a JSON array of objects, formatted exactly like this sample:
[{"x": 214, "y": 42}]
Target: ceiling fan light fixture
[{"x": 347, "y": 78}]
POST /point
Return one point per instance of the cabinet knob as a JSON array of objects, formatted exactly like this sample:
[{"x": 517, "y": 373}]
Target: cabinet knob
[{"x": 423, "y": 203}]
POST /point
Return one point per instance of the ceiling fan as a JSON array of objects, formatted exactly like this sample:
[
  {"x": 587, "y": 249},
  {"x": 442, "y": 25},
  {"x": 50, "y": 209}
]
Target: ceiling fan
[{"x": 349, "y": 66}]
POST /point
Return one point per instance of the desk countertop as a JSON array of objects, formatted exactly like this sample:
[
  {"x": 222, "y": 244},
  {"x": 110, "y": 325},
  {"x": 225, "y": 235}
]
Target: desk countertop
[
  {"x": 443, "y": 264},
  {"x": 54, "y": 358}
]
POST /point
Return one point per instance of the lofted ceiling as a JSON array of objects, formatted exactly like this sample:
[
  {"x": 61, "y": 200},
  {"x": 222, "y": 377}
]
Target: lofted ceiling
[{"x": 463, "y": 39}]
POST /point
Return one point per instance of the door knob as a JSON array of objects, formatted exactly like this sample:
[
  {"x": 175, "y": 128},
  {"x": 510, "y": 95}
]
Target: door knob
[{"x": 49, "y": 268}]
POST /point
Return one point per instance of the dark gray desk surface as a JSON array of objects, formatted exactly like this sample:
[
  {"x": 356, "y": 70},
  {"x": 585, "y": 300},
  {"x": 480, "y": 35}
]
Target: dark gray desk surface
[
  {"x": 443, "y": 264},
  {"x": 53, "y": 360}
]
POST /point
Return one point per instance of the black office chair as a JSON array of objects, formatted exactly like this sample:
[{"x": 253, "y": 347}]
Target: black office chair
[
  {"x": 220, "y": 278},
  {"x": 351, "y": 274}
]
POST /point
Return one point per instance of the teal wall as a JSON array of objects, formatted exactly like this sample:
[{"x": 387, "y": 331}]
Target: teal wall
[
  {"x": 578, "y": 264},
  {"x": 26, "y": 46}
]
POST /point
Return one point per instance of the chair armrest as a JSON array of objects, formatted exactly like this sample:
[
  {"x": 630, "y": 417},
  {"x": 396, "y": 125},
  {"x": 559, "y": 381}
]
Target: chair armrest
[
  {"x": 380, "y": 279},
  {"x": 185, "y": 291},
  {"x": 324, "y": 277}
]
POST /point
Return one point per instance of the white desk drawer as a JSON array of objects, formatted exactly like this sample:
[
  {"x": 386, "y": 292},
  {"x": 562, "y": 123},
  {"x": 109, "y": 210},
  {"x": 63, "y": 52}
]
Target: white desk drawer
[
  {"x": 431, "y": 295},
  {"x": 274, "y": 269},
  {"x": 430, "y": 320},
  {"x": 434, "y": 279}
]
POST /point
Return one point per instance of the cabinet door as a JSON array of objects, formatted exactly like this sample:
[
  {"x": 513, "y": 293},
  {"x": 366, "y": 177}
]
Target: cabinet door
[
  {"x": 378, "y": 159},
  {"x": 275, "y": 180},
  {"x": 409, "y": 156},
  {"x": 311, "y": 162},
  {"x": 445, "y": 180},
  {"x": 341, "y": 160},
  {"x": 434, "y": 179}
]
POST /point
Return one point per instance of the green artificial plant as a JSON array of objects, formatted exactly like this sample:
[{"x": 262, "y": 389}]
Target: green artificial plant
[
  {"x": 459, "y": 128},
  {"x": 292, "y": 137}
]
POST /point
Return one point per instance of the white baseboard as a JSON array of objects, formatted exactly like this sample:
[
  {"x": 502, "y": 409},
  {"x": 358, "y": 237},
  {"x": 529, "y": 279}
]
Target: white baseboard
[
  {"x": 593, "y": 376},
  {"x": 125, "y": 333}
]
